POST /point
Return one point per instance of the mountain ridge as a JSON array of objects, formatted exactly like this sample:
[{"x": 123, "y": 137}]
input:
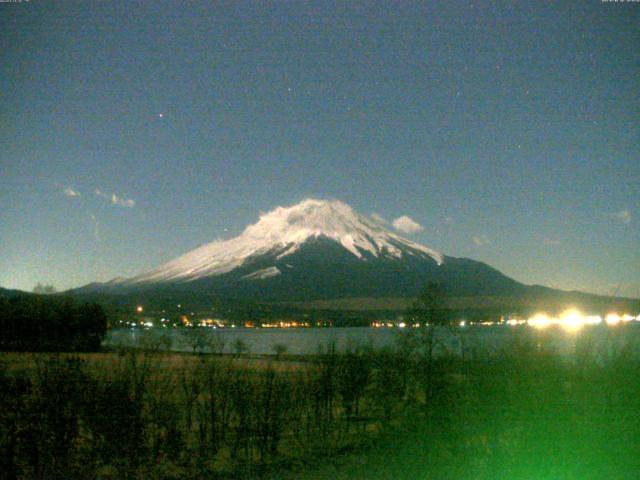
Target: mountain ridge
[
  {"x": 282, "y": 232},
  {"x": 317, "y": 250}
]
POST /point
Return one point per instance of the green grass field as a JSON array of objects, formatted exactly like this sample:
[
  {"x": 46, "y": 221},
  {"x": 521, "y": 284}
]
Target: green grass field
[{"x": 522, "y": 413}]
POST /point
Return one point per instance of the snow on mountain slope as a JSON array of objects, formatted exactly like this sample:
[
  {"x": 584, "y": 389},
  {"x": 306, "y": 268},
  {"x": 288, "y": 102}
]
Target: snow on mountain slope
[
  {"x": 263, "y": 273},
  {"x": 282, "y": 232}
]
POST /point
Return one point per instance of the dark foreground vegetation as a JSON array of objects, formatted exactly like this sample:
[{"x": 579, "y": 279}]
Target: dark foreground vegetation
[
  {"x": 45, "y": 323},
  {"x": 522, "y": 413}
]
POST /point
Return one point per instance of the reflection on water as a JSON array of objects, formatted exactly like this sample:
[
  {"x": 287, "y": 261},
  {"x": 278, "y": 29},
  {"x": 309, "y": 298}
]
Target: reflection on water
[{"x": 599, "y": 340}]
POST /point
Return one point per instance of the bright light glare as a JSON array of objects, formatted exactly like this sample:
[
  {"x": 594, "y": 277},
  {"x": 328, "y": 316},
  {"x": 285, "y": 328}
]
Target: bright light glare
[
  {"x": 572, "y": 320},
  {"x": 593, "y": 319},
  {"x": 540, "y": 320},
  {"x": 613, "y": 319},
  {"x": 515, "y": 321}
]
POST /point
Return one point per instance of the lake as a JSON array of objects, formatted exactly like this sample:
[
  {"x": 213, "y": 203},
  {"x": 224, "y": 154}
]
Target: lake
[{"x": 602, "y": 340}]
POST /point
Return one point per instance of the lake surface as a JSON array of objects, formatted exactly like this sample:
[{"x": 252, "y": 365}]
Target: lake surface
[{"x": 601, "y": 340}]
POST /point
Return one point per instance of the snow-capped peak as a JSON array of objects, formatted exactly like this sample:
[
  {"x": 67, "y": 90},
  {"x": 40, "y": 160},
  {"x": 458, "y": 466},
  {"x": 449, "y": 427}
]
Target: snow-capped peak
[{"x": 283, "y": 231}]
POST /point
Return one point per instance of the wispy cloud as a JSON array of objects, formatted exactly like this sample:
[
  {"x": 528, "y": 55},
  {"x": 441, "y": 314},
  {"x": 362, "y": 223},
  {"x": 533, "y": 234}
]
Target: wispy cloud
[
  {"x": 379, "y": 218},
  {"x": 480, "y": 240},
  {"x": 70, "y": 192},
  {"x": 623, "y": 215},
  {"x": 550, "y": 241},
  {"x": 406, "y": 224},
  {"x": 115, "y": 199},
  {"x": 123, "y": 202},
  {"x": 96, "y": 227}
]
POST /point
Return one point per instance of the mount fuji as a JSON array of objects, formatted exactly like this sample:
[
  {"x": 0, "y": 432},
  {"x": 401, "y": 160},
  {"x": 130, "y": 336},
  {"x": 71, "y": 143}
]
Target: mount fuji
[{"x": 315, "y": 251}]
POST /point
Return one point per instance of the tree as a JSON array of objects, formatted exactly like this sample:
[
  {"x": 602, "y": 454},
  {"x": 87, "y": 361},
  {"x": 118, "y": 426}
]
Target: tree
[
  {"x": 216, "y": 342},
  {"x": 240, "y": 347},
  {"x": 279, "y": 349},
  {"x": 196, "y": 338},
  {"x": 44, "y": 289},
  {"x": 38, "y": 323},
  {"x": 429, "y": 307},
  {"x": 91, "y": 327},
  {"x": 354, "y": 369},
  {"x": 429, "y": 311}
]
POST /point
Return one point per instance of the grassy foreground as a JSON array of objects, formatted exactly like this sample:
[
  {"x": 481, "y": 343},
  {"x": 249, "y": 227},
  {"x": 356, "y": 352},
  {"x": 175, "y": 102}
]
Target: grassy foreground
[{"x": 522, "y": 413}]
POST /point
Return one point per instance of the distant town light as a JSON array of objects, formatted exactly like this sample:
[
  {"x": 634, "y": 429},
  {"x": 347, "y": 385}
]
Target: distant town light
[
  {"x": 540, "y": 320},
  {"x": 139, "y": 309},
  {"x": 571, "y": 320},
  {"x": 613, "y": 319},
  {"x": 592, "y": 319}
]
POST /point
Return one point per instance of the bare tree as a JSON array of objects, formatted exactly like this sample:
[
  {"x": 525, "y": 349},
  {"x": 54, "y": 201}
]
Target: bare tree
[
  {"x": 196, "y": 338},
  {"x": 430, "y": 312}
]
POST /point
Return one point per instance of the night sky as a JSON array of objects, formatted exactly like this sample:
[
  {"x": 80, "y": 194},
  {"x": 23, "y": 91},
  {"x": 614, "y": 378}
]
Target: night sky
[{"x": 133, "y": 132}]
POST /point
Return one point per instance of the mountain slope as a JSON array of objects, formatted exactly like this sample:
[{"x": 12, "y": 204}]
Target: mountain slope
[
  {"x": 315, "y": 250},
  {"x": 283, "y": 232}
]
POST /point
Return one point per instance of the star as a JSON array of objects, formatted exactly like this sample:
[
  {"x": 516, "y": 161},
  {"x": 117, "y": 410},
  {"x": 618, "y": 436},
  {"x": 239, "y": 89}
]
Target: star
[{"x": 161, "y": 115}]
